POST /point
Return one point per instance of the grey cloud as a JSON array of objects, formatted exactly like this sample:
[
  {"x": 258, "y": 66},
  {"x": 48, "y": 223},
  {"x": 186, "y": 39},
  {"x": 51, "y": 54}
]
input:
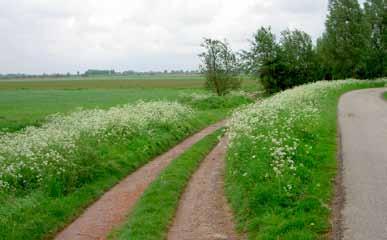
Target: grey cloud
[{"x": 70, "y": 35}]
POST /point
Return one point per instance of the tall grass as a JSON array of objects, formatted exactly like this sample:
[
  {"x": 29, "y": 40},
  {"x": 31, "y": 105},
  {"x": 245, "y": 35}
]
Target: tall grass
[{"x": 282, "y": 161}]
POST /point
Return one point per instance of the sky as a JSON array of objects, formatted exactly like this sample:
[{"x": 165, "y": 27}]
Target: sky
[{"x": 52, "y": 36}]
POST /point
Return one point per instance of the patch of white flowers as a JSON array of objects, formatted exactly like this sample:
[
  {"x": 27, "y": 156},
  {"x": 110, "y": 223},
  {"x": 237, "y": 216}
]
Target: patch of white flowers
[
  {"x": 199, "y": 96},
  {"x": 35, "y": 150},
  {"x": 196, "y": 96},
  {"x": 274, "y": 123}
]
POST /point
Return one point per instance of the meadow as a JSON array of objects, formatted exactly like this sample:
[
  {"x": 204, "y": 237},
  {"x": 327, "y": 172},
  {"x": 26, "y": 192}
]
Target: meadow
[
  {"x": 60, "y": 149},
  {"x": 25, "y": 102}
]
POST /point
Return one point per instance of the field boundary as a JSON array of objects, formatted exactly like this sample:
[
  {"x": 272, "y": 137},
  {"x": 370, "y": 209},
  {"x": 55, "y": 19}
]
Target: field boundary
[{"x": 339, "y": 194}]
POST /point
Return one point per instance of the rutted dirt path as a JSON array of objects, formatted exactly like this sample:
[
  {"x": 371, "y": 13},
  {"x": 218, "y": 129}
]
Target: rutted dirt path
[
  {"x": 203, "y": 212},
  {"x": 112, "y": 208},
  {"x": 363, "y": 125}
]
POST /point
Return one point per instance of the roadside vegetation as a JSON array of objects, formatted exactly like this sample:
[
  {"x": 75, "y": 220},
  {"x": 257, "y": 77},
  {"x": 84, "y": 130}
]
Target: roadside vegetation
[
  {"x": 51, "y": 172},
  {"x": 282, "y": 161},
  {"x": 149, "y": 219}
]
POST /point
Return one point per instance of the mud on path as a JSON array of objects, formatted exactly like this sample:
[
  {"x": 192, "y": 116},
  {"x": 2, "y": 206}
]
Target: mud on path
[
  {"x": 203, "y": 212},
  {"x": 112, "y": 208}
]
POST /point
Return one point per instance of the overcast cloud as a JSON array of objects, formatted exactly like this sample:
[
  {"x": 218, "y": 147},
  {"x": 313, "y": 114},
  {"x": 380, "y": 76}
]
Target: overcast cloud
[{"x": 69, "y": 35}]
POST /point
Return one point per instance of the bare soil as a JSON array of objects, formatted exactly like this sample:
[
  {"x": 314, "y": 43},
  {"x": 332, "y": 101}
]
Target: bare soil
[
  {"x": 112, "y": 208},
  {"x": 203, "y": 212}
]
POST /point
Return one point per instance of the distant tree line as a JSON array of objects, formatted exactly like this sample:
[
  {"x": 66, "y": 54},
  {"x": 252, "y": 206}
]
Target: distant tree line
[
  {"x": 354, "y": 45},
  {"x": 96, "y": 72}
]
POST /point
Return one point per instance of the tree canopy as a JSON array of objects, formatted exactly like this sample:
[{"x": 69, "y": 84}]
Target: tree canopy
[{"x": 220, "y": 66}]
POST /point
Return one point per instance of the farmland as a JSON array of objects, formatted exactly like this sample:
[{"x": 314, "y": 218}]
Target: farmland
[
  {"x": 62, "y": 148},
  {"x": 26, "y": 102}
]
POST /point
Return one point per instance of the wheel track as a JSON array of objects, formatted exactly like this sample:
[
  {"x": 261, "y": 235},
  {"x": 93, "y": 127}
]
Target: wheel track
[{"x": 112, "y": 208}]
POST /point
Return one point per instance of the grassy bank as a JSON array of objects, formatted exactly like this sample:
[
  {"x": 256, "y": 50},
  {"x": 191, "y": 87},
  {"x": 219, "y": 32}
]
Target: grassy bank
[
  {"x": 282, "y": 161},
  {"x": 36, "y": 213},
  {"x": 154, "y": 212},
  {"x": 49, "y": 174}
]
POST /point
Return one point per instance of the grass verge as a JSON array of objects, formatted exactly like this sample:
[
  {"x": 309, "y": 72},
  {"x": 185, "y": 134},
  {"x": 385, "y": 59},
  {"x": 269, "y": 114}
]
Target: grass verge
[
  {"x": 282, "y": 161},
  {"x": 40, "y": 213},
  {"x": 154, "y": 212}
]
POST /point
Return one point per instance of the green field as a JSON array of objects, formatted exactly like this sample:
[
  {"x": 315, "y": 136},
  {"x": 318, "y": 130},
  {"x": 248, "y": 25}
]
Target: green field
[
  {"x": 20, "y": 108},
  {"x": 111, "y": 82},
  {"x": 25, "y": 102},
  {"x": 36, "y": 201}
]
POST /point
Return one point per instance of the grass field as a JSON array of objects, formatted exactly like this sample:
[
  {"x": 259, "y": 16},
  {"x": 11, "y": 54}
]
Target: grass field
[
  {"x": 21, "y": 108},
  {"x": 25, "y": 102},
  {"x": 140, "y": 77},
  {"x": 112, "y": 82},
  {"x": 53, "y": 171}
]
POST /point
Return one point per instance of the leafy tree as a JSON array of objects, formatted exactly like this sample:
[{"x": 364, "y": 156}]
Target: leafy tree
[
  {"x": 298, "y": 58},
  {"x": 346, "y": 41},
  {"x": 262, "y": 59},
  {"x": 384, "y": 39},
  {"x": 281, "y": 65},
  {"x": 375, "y": 54},
  {"x": 220, "y": 66},
  {"x": 324, "y": 67}
]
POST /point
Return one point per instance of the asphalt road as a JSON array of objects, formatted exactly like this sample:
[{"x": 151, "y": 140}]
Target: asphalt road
[{"x": 363, "y": 125}]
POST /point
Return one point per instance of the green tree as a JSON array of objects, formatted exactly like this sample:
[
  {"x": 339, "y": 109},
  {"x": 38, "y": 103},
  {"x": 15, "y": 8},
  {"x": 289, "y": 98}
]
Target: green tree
[
  {"x": 346, "y": 41},
  {"x": 384, "y": 39},
  {"x": 220, "y": 66},
  {"x": 298, "y": 58},
  {"x": 262, "y": 59},
  {"x": 324, "y": 67},
  {"x": 280, "y": 65},
  {"x": 375, "y": 54}
]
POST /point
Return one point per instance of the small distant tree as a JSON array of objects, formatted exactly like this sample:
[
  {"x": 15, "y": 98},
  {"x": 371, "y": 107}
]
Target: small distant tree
[{"x": 220, "y": 66}]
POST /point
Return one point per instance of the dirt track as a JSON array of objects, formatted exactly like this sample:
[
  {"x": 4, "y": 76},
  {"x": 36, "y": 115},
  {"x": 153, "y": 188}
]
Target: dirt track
[
  {"x": 111, "y": 209},
  {"x": 203, "y": 212},
  {"x": 363, "y": 124}
]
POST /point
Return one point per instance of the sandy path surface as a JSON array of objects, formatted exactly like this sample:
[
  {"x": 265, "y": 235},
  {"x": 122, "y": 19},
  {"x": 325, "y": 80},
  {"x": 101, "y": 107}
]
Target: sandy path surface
[
  {"x": 363, "y": 124},
  {"x": 203, "y": 212},
  {"x": 112, "y": 208}
]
